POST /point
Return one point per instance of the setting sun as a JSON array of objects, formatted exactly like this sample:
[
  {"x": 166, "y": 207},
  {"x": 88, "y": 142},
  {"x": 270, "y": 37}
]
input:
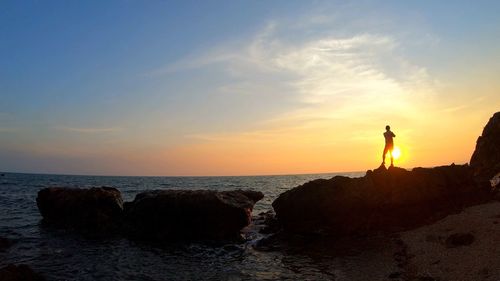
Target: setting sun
[{"x": 396, "y": 152}]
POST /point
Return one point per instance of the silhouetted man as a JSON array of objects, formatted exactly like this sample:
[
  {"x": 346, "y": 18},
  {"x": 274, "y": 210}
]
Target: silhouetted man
[{"x": 389, "y": 144}]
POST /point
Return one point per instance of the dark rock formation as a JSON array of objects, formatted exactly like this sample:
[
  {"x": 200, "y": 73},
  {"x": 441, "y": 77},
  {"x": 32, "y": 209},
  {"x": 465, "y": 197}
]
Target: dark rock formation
[
  {"x": 381, "y": 200},
  {"x": 189, "y": 214},
  {"x": 97, "y": 209},
  {"x": 20, "y": 272},
  {"x": 486, "y": 158}
]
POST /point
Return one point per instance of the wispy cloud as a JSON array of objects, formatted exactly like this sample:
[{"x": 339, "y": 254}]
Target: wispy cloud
[
  {"x": 89, "y": 130},
  {"x": 455, "y": 108},
  {"x": 351, "y": 73},
  {"x": 323, "y": 80}
]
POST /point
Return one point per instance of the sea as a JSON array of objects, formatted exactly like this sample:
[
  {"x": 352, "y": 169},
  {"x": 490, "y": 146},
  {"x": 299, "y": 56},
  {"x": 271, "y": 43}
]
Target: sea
[{"x": 60, "y": 254}]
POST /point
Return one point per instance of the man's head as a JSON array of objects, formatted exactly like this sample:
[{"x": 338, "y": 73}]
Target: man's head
[{"x": 387, "y": 128}]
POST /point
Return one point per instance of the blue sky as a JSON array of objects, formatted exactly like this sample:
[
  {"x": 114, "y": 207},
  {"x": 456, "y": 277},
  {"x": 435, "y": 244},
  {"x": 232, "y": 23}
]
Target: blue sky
[{"x": 161, "y": 87}]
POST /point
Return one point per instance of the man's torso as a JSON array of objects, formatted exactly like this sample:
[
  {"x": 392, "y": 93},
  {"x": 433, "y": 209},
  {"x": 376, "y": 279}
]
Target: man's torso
[{"x": 388, "y": 137}]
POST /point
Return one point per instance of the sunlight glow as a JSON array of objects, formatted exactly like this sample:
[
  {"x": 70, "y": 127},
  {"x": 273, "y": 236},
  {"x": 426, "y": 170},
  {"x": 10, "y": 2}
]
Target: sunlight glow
[{"x": 396, "y": 152}]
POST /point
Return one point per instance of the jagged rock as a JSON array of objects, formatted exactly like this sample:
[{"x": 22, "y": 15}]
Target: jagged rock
[
  {"x": 486, "y": 157},
  {"x": 97, "y": 209},
  {"x": 381, "y": 200},
  {"x": 189, "y": 214},
  {"x": 20, "y": 272}
]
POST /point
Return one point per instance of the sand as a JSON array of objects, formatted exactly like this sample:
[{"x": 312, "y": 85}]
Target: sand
[{"x": 430, "y": 255}]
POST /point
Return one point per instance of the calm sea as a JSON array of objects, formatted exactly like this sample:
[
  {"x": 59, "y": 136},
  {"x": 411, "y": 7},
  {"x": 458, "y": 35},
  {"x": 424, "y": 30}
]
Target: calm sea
[{"x": 63, "y": 255}]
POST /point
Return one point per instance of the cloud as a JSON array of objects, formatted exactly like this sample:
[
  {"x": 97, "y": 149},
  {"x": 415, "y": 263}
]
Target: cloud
[
  {"x": 89, "y": 130},
  {"x": 328, "y": 76},
  {"x": 455, "y": 108}
]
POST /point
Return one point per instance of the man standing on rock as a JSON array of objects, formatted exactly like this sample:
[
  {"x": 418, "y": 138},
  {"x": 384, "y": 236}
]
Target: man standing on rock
[{"x": 389, "y": 144}]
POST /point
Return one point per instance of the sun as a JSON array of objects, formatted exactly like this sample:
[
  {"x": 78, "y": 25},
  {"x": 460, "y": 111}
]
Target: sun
[{"x": 396, "y": 152}]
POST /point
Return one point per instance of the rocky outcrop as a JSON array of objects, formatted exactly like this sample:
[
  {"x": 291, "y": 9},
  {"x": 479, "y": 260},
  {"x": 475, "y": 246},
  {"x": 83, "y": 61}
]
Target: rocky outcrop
[
  {"x": 381, "y": 200},
  {"x": 486, "y": 158},
  {"x": 97, "y": 209},
  {"x": 189, "y": 214},
  {"x": 20, "y": 272},
  {"x": 153, "y": 215}
]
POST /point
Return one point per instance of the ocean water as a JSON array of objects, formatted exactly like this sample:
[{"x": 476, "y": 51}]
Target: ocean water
[{"x": 64, "y": 255}]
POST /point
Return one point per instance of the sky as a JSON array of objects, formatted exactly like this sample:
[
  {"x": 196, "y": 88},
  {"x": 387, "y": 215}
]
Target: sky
[{"x": 243, "y": 87}]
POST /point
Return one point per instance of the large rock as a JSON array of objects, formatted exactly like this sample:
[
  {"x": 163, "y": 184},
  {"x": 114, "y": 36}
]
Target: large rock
[
  {"x": 190, "y": 214},
  {"x": 381, "y": 200},
  {"x": 20, "y": 272},
  {"x": 486, "y": 158},
  {"x": 91, "y": 209}
]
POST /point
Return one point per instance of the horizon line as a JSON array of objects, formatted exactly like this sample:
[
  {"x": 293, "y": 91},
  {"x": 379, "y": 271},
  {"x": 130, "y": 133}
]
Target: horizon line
[{"x": 207, "y": 176}]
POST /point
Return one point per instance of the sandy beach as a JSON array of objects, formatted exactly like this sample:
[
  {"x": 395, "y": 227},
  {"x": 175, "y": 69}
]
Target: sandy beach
[
  {"x": 432, "y": 255},
  {"x": 428, "y": 253}
]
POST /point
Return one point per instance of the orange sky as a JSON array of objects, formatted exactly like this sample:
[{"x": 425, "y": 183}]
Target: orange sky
[{"x": 306, "y": 89}]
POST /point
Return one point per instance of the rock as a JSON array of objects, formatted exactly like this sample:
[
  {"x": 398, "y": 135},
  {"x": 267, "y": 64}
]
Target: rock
[
  {"x": 486, "y": 157},
  {"x": 20, "y": 272},
  {"x": 459, "y": 239},
  {"x": 384, "y": 199},
  {"x": 394, "y": 275},
  {"x": 97, "y": 209},
  {"x": 271, "y": 243},
  {"x": 266, "y": 222},
  {"x": 495, "y": 181},
  {"x": 189, "y": 214},
  {"x": 426, "y": 278},
  {"x": 4, "y": 244}
]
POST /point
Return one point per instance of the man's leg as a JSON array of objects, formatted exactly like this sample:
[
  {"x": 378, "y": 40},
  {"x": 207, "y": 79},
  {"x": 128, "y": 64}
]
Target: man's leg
[
  {"x": 392, "y": 158},
  {"x": 383, "y": 154}
]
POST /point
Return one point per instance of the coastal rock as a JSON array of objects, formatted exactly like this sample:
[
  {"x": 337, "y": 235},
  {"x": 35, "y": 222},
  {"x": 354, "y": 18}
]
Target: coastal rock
[
  {"x": 384, "y": 199},
  {"x": 189, "y": 214},
  {"x": 20, "y": 272},
  {"x": 91, "y": 209},
  {"x": 266, "y": 222},
  {"x": 486, "y": 157}
]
